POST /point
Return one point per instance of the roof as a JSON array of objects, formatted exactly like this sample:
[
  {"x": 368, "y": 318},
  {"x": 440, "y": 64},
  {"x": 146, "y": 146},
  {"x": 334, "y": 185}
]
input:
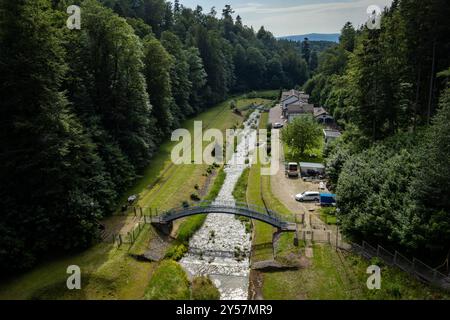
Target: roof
[
  {"x": 331, "y": 133},
  {"x": 330, "y": 195},
  {"x": 299, "y": 107},
  {"x": 320, "y": 111},
  {"x": 294, "y": 93},
  {"x": 312, "y": 165}
]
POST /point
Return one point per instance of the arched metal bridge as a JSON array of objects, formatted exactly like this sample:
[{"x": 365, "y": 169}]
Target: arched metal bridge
[{"x": 226, "y": 207}]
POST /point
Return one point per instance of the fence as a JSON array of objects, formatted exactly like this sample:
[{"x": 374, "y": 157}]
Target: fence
[
  {"x": 414, "y": 267},
  {"x": 131, "y": 236},
  {"x": 323, "y": 236}
]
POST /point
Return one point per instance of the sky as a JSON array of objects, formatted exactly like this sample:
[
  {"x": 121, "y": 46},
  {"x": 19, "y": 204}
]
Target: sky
[{"x": 292, "y": 17}]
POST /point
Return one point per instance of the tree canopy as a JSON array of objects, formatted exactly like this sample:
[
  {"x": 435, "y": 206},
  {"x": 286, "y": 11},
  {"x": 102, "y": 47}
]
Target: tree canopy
[{"x": 83, "y": 111}]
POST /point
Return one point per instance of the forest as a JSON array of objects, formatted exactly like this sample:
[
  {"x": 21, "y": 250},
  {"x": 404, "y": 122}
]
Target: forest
[
  {"x": 389, "y": 91},
  {"x": 83, "y": 111}
]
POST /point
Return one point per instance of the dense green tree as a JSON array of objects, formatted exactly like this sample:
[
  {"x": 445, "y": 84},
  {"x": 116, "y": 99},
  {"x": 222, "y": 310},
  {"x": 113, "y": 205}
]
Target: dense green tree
[
  {"x": 431, "y": 183},
  {"x": 115, "y": 82},
  {"x": 256, "y": 67},
  {"x": 302, "y": 133},
  {"x": 306, "y": 50},
  {"x": 179, "y": 75},
  {"x": 313, "y": 61},
  {"x": 53, "y": 184},
  {"x": 157, "y": 69},
  {"x": 88, "y": 107},
  {"x": 347, "y": 37}
]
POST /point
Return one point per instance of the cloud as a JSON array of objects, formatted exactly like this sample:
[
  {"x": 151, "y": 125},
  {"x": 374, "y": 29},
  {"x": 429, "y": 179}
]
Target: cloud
[{"x": 298, "y": 19}]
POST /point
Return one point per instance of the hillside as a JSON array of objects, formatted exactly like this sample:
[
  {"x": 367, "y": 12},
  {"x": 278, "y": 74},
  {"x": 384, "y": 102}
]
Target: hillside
[{"x": 332, "y": 37}]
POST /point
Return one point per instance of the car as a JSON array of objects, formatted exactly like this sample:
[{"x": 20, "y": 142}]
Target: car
[
  {"x": 277, "y": 125},
  {"x": 291, "y": 169},
  {"x": 308, "y": 196}
]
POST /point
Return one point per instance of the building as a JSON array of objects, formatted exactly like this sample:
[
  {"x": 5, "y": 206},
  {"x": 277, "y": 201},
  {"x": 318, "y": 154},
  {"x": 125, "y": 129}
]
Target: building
[
  {"x": 295, "y": 103},
  {"x": 331, "y": 134},
  {"x": 297, "y": 109},
  {"x": 292, "y": 96},
  {"x": 322, "y": 117},
  {"x": 311, "y": 169}
]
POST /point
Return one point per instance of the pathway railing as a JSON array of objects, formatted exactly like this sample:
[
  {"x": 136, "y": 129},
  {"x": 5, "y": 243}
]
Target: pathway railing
[
  {"x": 414, "y": 267},
  {"x": 230, "y": 207}
]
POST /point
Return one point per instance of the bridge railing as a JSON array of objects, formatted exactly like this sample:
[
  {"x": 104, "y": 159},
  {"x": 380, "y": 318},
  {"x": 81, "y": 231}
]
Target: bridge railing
[{"x": 210, "y": 206}]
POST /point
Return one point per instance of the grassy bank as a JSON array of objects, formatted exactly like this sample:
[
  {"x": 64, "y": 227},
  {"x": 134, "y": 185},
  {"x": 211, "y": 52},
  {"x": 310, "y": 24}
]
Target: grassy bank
[
  {"x": 109, "y": 272},
  {"x": 190, "y": 225},
  {"x": 171, "y": 283}
]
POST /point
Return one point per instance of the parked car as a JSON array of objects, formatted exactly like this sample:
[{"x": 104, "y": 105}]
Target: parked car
[
  {"x": 308, "y": 196},
  {"x": 291, "y": 169},
  {"x": 327, "y": 199},
  {"x": 277, "y": 125}
]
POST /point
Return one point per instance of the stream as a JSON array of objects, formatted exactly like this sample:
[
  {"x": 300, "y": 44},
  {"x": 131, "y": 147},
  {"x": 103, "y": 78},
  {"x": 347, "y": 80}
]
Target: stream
[{"x": 214, "y": 247}]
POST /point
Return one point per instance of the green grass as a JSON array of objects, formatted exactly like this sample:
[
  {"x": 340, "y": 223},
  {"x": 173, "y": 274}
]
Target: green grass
[
  {"x": 328, "y": 215},
  {"x": 217, "y": 185},
  {"x": 169, "y": 282},
  {"x": 191, "y": 224},
  {"x": 262, "y": 232},
  {"x": 321, "y": 280},
  {"x": 240, "y": 189},
  {"x": 395, "y": 284}
]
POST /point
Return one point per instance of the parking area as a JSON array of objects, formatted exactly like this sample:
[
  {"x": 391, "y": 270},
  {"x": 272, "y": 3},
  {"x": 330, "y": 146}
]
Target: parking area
[
  {"x": 285, "y": 190},
  {"x": 275, "y": 115}
]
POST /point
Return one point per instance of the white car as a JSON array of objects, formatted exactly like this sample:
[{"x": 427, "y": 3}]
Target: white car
[
  {"x": 308, "y": 196},
  {"x": 277, "y": 125}
]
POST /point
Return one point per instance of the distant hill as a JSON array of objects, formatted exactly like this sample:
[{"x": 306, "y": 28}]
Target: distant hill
[{"x": 332, "y": 37}]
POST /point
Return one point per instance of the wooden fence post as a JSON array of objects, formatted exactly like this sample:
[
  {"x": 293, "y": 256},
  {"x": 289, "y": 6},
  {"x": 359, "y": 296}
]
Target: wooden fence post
[
  {"x": 140, "y": 209},
  {"x": 134, "y": 209}
]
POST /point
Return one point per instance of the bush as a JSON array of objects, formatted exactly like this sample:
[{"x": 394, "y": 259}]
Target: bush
[
  {"x": 168, "y": 282},
  {"x": 195, "y": 197},
  {"x": 204, "y": 289},
  {"x": 176, "y": 252}
]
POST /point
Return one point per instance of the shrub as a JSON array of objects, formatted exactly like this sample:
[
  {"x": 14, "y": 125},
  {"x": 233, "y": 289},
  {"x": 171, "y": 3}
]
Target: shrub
[
  {"x": 169, "y": 282},
  {"x": 204, "y": 289},
  {"x": 195, "y": 197},
  {"x": 176, "y": 252}
]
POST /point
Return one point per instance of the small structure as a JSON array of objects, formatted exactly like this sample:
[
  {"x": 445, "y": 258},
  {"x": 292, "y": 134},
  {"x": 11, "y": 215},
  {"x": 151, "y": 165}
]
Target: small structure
[
  {"x": 311, "y": 169},
  {"x": 323, "y": 117},
  {"x": 331, "y": 134}
]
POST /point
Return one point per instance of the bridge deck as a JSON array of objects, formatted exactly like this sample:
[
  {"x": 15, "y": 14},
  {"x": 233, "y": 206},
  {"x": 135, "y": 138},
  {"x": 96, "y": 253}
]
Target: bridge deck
[{"x": 239, "y": 209}]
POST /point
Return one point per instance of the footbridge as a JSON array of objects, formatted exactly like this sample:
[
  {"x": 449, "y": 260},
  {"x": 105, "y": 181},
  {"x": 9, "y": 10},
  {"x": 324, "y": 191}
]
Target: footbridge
[{"x": 226, "y": 207}]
